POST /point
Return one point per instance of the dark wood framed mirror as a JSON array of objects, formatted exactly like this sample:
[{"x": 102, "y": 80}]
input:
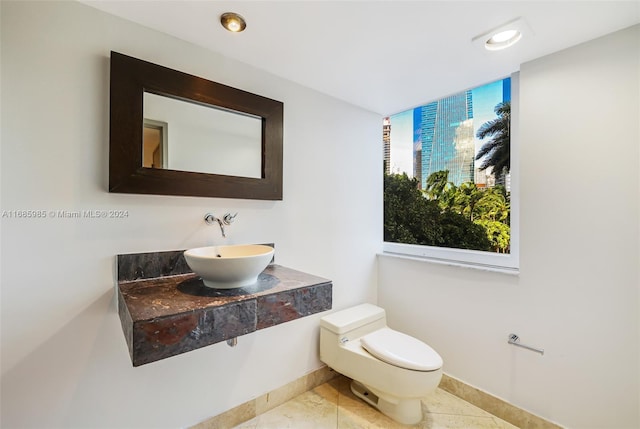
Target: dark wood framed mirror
[{"x": 131, "y": 78}]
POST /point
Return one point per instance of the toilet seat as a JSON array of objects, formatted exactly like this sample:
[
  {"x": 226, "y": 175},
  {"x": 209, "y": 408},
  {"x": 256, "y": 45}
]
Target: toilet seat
[{"x": 401, "y": 350}]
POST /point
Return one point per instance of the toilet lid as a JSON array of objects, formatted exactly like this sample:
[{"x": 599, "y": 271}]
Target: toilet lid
[{"x": 401, "y": 350}]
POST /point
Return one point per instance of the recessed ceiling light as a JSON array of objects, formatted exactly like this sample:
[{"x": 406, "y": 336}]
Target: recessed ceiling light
[
  {"x": 503, "y": 39},
  {"x": 233, "y": 22},
  {"x": 503, "y": 36}
]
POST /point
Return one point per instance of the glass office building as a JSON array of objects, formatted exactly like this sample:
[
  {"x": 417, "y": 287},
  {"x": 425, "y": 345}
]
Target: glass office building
[{"x": 444, "y": 136}]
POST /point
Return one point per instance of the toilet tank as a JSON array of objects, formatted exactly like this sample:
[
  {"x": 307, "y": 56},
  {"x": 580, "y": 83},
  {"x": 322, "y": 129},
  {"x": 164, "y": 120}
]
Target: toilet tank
[
  {"x": 350, "y": 319},
  {"x": 345, "y": 326}
]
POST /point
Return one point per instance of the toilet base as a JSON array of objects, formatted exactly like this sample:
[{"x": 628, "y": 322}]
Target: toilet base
[{"x": 405, "y": 411}]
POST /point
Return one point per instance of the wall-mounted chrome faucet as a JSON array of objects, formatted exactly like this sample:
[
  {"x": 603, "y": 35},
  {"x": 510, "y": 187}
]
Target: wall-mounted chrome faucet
[{"x": 227, "y": 219}]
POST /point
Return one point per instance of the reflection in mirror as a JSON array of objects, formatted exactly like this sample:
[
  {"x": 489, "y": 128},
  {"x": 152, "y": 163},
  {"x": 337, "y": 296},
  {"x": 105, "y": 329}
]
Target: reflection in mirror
[
  {"x": 154, "y": 144},
  {"x": 203, "y": 139}
]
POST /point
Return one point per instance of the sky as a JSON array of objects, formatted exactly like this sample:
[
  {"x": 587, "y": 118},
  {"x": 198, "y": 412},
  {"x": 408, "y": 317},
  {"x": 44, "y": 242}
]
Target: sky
[{"x": 484, "y": 97}]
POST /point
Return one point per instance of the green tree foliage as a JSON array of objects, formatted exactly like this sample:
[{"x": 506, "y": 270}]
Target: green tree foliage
[
  {"x": 494, "y": 205},
  {"x": 445, "y": 215},
  {"x": 497, "y": 151},
  {"x": 466, "y": 198},
  {"x": 486, "y": 207},
  {"x": 498, "y": 234},
  {"x": 436, "y": 184},
  {"x": 410, "y": 217}
]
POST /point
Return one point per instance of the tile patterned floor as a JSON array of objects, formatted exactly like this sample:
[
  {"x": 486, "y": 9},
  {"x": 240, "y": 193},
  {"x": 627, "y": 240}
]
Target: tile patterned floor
[{"x": 333, "y": 406}]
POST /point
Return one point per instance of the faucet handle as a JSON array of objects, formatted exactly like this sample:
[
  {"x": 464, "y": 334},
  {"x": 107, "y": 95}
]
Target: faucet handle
[
  {"x": 228, "y": 218},
  {"x": 209, "y": 218}
]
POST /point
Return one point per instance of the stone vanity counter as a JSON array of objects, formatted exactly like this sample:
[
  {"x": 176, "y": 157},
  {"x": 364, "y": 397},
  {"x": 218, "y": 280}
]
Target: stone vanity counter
[{"x": 165, "y": 309}]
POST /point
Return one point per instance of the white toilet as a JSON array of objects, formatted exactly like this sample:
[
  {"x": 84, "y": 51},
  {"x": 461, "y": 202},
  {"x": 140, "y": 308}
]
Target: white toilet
[{"x": 391, "y": 371}]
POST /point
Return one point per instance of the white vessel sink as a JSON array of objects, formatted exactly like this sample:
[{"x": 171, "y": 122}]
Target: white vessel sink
[{"x": 228, "y": 267}]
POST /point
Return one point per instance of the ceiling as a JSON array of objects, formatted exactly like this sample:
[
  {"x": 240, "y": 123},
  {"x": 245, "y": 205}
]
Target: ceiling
[{"x": 384, "y": 56}]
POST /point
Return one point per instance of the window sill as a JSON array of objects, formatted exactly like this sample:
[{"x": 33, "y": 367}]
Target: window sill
[{"x": 468, "y": 265}]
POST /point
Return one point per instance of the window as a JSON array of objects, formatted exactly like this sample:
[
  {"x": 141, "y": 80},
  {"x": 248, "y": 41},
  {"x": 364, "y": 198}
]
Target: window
[{"x": 451, "y": 178}]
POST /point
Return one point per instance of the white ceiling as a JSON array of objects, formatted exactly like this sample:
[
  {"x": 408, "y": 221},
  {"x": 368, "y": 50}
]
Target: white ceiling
[{"x": 385, "y": 56}]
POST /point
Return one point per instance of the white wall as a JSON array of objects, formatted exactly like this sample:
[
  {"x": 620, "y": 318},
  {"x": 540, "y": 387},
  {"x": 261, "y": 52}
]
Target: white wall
[
  {"x": 577, "y": 292},
  {"x": 64, "y": 358}
]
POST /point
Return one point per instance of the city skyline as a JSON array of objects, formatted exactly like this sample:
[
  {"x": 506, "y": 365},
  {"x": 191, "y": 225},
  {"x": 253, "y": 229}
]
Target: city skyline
[{"x": 441, "y": 135}]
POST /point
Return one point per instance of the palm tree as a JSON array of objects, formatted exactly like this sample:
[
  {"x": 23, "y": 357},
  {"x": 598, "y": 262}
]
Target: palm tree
[
  {"x": 436, "y": 184},
  {"x": 466, "y": 198},
  {"x": 498, "y": 149},
  {"x": 493, "y": 205}
]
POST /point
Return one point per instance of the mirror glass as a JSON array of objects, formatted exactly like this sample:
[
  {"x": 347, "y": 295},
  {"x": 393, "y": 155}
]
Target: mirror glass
[{"x": 180, "y": 135}]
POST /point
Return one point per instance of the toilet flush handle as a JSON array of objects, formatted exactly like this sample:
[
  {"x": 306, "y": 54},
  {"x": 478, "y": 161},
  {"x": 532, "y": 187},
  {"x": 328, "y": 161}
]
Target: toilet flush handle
[{"x": 344, "y": 340}]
